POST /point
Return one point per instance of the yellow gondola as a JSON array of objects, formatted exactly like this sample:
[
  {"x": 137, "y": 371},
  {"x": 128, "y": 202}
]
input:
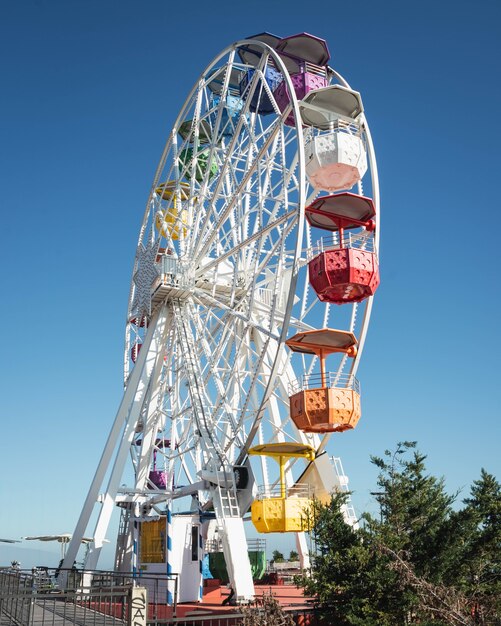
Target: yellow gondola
[{"x": 289, "y": 508}]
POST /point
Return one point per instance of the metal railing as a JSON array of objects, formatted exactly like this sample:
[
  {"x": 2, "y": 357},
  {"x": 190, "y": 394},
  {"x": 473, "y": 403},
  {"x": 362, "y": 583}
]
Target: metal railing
[
  {"x": 172, "y": 272},
  {"x": 205, "y": 619},
  {"x": 296, "y": 491},
  {"x": 318, "y": 70},
  {"x": 363, "y": 240},
  {"x": 347, "y": 508},
  {"x": 268, "y": 297},
  {"x": 254, "y": 545},
  {"x": 338, "y": 125},
  {"x": 32, "y": 598},
  {"x": 15, "y": 597},
  {"x": 257, "y": 545},
  {"x": 329, "y": 380},
  {"x": 97, "y": 598}
]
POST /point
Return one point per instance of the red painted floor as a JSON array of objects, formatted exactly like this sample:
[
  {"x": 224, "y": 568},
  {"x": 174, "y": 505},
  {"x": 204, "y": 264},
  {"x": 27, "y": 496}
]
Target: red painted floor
[{"x": 290, "y": 597}]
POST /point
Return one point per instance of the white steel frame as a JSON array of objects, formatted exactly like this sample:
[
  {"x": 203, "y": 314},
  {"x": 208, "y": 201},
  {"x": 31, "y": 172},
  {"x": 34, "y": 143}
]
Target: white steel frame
[{"x": 212, "y": 374}]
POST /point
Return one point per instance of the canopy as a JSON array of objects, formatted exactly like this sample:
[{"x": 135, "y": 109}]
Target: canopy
[
  {"x": 352, "y": 208},
  {"x": 171, "y": 188},
  {"x": 204, "y": 132},
  {"x": 284, "y": 449},
  {"x": 216, "y": 83},
  {"x": 321, "y": 107},
  {"x": 64, "y": 539},
  {"x": 305, "y": 47},
  {"x": 293, "y": 50},
  {"x": 251, "y": 53},
  {"x": 325, "y": 340}
]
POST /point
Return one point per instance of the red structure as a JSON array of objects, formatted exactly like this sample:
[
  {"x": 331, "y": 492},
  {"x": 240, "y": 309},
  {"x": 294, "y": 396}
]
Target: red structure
[
  {"x": 134, "y": 351},
  {"x": 346, "y": 269}
]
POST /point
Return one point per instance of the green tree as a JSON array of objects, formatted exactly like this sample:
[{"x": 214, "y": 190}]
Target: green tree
[
  {"x": 293, "y": 556},
  {"x": 419, "y": 561},
  {"x": 477, "y": 567},
  {"x": 343, "y": 575},
  {"x": 277, "y": 557},
  {"x": 415, "y": 511}
]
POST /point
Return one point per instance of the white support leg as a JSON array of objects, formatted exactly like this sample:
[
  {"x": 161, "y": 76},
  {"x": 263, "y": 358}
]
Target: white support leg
[
  {"x": 151, "y": 372},
  {"x": 237, "y": 558},
  {"x": 149, "y": 433},
  {"x": 302, "y": 550},
  {"x": 124, "y": 549},
  {"x": 232, "y": 534},
  {"x": 150, "y": 359}
]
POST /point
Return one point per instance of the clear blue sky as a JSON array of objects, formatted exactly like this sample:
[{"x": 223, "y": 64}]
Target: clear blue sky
[{"x": 90, "y": 90}]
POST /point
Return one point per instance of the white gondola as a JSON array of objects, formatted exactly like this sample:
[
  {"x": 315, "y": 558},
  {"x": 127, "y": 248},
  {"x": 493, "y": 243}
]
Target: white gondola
[{"x": 335, "y": 150}]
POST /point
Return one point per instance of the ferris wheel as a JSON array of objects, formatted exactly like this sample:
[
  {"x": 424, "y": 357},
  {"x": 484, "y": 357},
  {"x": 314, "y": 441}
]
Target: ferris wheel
[{"x": 249, "y": 305}]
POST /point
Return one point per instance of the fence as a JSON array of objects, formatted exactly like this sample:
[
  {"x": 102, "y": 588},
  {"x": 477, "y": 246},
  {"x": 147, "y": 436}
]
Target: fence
[
  {"x": 103, "y": 599},
  {"x": 332, "y": 380},
  {"x": 15, "y": 597},
  {"x": 96, "y": 598}
]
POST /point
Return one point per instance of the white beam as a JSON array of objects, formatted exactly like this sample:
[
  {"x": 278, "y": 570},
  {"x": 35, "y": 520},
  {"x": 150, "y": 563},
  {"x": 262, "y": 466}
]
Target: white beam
[{"x": 129, "y": 406}]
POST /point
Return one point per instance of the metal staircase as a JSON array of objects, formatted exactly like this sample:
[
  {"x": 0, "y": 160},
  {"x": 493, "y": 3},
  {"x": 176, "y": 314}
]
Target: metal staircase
[
  {"x": 192, "y": 369},
  {"x": 229, "y": 501},
  {"x": 124, "y": 542},
  {"x": 223, "y": 489}
]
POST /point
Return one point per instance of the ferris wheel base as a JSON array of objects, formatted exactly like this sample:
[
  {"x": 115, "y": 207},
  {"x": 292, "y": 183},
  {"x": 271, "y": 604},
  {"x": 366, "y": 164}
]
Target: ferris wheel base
[
  {"x": 183, "y": 553},
  {"x": 237, "y": 560}
]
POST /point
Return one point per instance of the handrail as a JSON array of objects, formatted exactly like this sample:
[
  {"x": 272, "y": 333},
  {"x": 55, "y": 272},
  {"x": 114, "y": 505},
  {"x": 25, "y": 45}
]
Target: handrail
[
  {"x": 363, "y": 240},
  {"x": 173, "y": 272},
  {"x": 330, "y": 380},
  {"x": 295, "y": 491}
]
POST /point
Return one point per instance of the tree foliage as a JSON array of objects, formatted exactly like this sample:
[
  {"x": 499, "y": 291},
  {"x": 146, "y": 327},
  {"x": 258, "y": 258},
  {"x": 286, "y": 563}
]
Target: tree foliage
[
  {"x": 277, "y": 557},
  {"x": 266, "y": 611},
  {"x": 423, "y": 560}
]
